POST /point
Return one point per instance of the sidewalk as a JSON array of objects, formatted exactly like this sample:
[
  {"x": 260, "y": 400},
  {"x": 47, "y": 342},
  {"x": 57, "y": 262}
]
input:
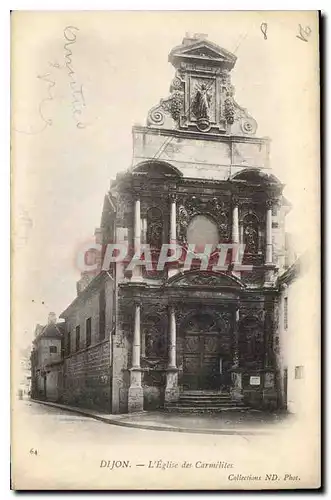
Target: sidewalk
[{"x": 227, "y": 423}]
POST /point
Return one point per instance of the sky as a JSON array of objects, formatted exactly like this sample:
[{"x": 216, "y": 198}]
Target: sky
[{"x": 60, "y": 172}]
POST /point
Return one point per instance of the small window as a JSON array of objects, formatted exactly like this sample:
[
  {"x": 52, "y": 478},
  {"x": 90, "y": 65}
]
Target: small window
[
  {"x": 53, "y": 349},
  {"x": 298, "y": 372},
  {"x": 88, "y": 332},
  {"x": 77, "y": 338},
  {"x": 285, "y": 313}
]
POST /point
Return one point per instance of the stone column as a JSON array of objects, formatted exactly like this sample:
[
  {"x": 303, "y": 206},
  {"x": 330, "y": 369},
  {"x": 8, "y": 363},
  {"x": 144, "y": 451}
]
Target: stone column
[
  {"x": 173, "y": 228},
  {"x": 136, "y": 395},
  {"x": 236, "y": 339},
  {"x": 172, "y": 268},
  {"x": 136, "y": 273},
  {"x": 268, "y": 255},
  {"x": 235, "y": 232},
  {"x": 235, "y": 221},
  {"x": 171, "y": 392},
  {"x": 144, "y": 230},
  {"x": 236, "y": 389}
]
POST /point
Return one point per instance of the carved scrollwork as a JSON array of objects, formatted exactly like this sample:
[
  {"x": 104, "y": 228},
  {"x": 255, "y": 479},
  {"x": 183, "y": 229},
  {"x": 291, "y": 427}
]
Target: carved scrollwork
[
  {"x": 192, "y": 206},
  {"x": 172, "y": 106},
  {"x": 247, "y": 123},
  {"x": 155, "y": 116}
]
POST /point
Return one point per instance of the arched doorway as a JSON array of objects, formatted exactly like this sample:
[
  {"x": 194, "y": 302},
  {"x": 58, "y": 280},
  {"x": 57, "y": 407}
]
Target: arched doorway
[{"x": 206, "y": 352}]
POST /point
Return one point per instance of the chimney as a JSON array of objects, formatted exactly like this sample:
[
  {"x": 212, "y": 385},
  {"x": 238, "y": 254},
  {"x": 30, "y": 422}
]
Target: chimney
[
  {"x": 52, "y": 318},
  {"x": 193, "y": 37}
]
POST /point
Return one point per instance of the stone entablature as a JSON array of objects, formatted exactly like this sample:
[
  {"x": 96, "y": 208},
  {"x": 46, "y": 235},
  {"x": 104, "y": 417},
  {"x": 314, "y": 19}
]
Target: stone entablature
[{"x": 198, "y": 155}]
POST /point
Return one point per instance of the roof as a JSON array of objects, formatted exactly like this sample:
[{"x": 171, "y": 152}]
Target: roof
[
  {"x": 51, "y": 331},
  {"x": 290, "y": 274},
  {"x": 90, "y": 288}
]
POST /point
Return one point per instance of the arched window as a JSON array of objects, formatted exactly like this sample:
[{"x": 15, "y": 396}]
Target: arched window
[
  {"x": 202, "y": 230},
  {"x": 154, "y": 228}
]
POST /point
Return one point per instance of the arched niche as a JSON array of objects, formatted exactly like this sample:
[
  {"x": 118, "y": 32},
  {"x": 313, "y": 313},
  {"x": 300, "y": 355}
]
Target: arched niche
[{"x": 157, "y": 168}]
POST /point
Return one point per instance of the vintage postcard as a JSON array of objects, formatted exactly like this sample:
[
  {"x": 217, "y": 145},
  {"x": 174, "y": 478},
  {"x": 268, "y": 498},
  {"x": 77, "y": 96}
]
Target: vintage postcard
[{"x": 165, "y": 250}]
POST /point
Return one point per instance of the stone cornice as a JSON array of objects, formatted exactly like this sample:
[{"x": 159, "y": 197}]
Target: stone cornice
[{"x": 189, "y": 134}]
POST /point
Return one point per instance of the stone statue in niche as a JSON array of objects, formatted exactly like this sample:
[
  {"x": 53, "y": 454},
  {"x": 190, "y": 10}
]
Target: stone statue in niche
[
  {"x": 251, "y": 238},
  {"x": 251, "y": 234},
  {"x": 202, "y": 102},
  {"x": 154, "y": 234},
  {"x": 154, "y": 227}
]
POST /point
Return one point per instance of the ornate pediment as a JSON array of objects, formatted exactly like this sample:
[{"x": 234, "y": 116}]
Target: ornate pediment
[
  {"x": 201, "y": 95},
  {"x": 205, "y": 279},
  {"x": 203, "y": 51}
]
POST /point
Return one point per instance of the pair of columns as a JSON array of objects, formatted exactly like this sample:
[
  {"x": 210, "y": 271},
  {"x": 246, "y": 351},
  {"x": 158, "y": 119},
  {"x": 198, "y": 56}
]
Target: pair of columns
[
  {"x": 235, "y": 229},
  {"x": 136, "y": 396},
  {"x": 136, "y": 348},
  {"x": 140, "y": 226}
]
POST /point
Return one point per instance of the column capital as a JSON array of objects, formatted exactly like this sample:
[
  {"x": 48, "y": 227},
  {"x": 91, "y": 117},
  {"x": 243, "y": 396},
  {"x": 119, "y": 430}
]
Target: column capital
[
  {"x": 136, "y": 195},
  {"x": 270, "y": 202},
  {"x": 173, "y": 197},
  {"x": 235, "y": 200}
]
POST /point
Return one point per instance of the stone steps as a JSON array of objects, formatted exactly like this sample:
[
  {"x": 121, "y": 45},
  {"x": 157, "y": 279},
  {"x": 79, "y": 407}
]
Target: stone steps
[
  {"x": 204, "y": 401},
  {"x": 205, "y": 409}
]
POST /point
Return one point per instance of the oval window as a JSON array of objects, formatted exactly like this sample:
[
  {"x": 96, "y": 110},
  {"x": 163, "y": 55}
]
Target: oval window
[{"x": 202, "y": 230}]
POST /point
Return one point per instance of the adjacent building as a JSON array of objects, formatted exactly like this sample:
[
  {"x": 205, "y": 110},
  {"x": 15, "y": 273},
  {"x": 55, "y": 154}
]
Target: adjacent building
[{"x": 46, "y": 360}]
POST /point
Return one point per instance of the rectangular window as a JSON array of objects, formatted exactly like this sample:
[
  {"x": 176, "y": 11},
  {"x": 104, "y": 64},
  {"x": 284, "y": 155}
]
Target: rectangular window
[
  {"x": 68, "y": 344},
  {"x": 88, "y": 332},
  {"x": 53, "y": 349},
  {"x": 102, "y": 314},
  {"x": 285, "y": 313},
  {"x": 77, "y": 338},
  {"x": 298, "y": 372}
]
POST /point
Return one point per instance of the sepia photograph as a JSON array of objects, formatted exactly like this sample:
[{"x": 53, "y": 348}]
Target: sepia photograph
[{"x": 165, "y": 240}]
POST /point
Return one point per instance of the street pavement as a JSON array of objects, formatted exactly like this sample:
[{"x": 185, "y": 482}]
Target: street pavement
[{"x": 56, "y": 449}]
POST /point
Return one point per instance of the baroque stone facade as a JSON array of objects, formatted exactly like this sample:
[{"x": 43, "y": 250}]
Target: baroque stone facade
[{"x": 199, "y": 175}]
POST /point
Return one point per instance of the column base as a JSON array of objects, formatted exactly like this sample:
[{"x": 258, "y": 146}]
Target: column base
[
  {"x": 135, "y": 399},
  {"x": 136, "y": 392},
  {"x": 236, "y": 389},
  {"x": 171, "y": 390},
  {"x": 136, "y": 278}
]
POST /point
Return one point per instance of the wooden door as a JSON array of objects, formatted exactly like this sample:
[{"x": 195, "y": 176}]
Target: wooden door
[{"x": 201, "y": 368}]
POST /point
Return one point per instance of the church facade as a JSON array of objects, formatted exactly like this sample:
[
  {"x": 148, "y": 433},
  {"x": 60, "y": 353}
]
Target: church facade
[{"x": 141, "y": 337}]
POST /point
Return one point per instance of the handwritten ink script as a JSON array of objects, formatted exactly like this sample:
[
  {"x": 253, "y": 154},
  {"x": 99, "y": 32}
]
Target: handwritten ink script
[
  {"x": 264, "y": 28},
  {"x": 78, "y": 102},
  {"x": 304, "y": 33}
]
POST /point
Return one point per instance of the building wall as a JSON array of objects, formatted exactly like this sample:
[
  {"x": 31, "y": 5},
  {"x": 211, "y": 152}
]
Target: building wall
[
  {"x": 300, "y": 345},
  {"x": 87, "y": 370},
  {"x": 45, "y": 356},
  {"x": 54, "y": 383}
]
